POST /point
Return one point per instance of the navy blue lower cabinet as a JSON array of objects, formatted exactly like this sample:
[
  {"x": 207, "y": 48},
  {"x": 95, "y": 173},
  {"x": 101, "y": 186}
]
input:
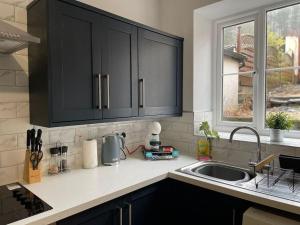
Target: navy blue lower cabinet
[
  {"x": 145, "y": 206},
  {"x": 106, "y": 214},
  {"x": 192, "y": 205},
  {"x": 138, "y": 208},
  {"x": 168, "y": 202}
]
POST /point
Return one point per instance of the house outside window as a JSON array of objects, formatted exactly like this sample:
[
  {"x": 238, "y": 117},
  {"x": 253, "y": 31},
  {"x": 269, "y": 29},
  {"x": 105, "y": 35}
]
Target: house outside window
[{"x": 258, "y": 58}]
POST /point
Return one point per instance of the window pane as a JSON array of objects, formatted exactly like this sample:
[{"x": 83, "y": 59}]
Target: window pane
[
  {"x": 238, "y": 48},
  {"x": 238, "y": 98},
  {"x": 283, "y": 32},
  {"x": 283, "y": 93}
]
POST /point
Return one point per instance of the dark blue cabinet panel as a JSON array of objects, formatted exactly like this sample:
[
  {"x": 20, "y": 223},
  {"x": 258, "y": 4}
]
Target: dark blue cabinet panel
[
  {"x": 92, "y": 66},
  {"x": 73, "y": 76},
  {"x": 160, "y": 74},
  {"x": 119, "y": 69}
]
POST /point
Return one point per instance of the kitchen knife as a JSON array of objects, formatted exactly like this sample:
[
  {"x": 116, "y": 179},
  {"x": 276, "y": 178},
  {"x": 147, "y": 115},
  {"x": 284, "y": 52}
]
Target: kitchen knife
[
  {"x": 32, "y": 139},
  {"x": 38, "y": 139},
  {"x": 28, "y": 138}
]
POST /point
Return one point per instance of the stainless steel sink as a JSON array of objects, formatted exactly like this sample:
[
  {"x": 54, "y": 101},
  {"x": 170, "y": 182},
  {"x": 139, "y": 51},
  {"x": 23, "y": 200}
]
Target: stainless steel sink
[{"x": 218, "y": 171}]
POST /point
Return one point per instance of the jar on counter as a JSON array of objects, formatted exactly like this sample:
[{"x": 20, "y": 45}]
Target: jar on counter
[
  {"x": 64, "y": 159},
  {"x": 54, "y": 163}
]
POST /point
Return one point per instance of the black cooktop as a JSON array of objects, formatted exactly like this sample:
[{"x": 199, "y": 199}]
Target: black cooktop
[{"x": 16, "y": 203}]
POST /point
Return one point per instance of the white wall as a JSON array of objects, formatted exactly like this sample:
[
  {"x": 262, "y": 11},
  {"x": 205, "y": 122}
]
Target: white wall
[
  {"x": 203, "y": 49},
  {"x": 142, "y": 11},
  {"x": 177, "y": 18}
]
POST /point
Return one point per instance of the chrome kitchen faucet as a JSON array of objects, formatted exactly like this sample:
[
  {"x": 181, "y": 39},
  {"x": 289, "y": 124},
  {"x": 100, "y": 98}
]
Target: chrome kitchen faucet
[{"x": 257, "y": 136}]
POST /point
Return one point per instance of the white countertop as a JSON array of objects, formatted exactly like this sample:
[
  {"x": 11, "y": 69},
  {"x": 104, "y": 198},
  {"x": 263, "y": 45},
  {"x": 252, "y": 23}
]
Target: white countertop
[{"x": 81, "y": 189}]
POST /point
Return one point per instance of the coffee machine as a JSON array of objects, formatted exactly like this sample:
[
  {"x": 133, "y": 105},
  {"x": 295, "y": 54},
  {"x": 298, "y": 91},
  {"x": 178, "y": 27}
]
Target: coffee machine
[{"x": 152, "y": 141}]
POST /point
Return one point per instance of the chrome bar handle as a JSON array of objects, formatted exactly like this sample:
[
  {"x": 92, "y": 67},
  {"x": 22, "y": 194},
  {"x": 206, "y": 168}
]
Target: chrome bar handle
[
  {"x": 121, "y": 215},
  {"x": 99, "y": 91},
  {"x": 108, "y": 91},
  {"x": 141, "y": 92},
  {"x": 233, "y": 216},
  {"x": 130, "y": 213}
]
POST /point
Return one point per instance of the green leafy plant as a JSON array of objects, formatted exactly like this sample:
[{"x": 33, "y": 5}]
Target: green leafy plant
[
  {"x": 209, "y": 133},
  {"x": 279, "y": 120}
]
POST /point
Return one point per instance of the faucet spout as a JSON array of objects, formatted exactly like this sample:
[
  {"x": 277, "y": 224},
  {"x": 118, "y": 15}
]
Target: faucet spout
[{"x": 256, "y": 134}]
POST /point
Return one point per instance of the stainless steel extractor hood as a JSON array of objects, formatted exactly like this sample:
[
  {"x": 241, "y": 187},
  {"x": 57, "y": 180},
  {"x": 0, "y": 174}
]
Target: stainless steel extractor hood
[{"x": 13, "y": 39}]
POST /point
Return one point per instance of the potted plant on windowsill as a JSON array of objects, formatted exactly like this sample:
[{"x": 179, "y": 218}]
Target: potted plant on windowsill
[
  {"x": 278, "y": 123},
  {"x": 204, "y": 145}
]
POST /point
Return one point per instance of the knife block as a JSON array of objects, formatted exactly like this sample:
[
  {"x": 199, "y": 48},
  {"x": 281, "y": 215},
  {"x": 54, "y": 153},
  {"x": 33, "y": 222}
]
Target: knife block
[{"x": 30, "y": 175}]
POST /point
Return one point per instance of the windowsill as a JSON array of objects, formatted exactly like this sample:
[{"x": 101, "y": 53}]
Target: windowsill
[{"x": 290, "y": 142}]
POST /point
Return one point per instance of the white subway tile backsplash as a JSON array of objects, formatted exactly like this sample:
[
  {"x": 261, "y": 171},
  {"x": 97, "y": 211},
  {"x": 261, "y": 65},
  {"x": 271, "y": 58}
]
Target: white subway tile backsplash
[
  {"x": 16, "y": 2},
  {"x": 20, "y": 171},
  {"x": 241, "y": 158},
  {"x": 277, "y": 150},
  {"x": 219, "y": 154},
  {"x": 13, "y": 62},
  {"x": 8, "y": 142},
  {"x": 102, "y": 130},
  {"x": 8, "y": 175},
  {"x": 11, "y": 158},
  {"x": 7, "y": 78},
  {"x": 20, "y": 15},
  {"x": 8, "y": 110},
  {"x": 21, "y": 79},
  {"x": 23, "y": 109},
  {"x": 62, "y": 135},
  {"x": 7, "y": 12},
  {"x": 85, "y": 133},
  {"x": 14, "y": 94},
  {"x": 13, "y": 126}
]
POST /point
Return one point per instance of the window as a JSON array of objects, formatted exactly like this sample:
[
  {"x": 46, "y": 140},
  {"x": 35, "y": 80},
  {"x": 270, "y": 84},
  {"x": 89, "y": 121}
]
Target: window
[
  {"x": 237, "y": 72},
  {"x": 282, "y": 62},
  {"x": 258, "y": 70}
]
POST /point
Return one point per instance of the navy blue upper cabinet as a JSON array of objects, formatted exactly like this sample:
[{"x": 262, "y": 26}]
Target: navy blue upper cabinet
[
  {"x": 76, "y": 62},
  {"x": 119, "y": 69},
  {"x": 92, "y": 66},
  {"x": 160, "y": 74}
]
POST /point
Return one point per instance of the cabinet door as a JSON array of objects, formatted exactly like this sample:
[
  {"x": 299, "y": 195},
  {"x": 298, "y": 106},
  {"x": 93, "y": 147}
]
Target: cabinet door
[
  {"x": 119, "y": 70},
  {"x": 76, "y": 62},
  {"x": 144, "y": 207},
  {"x": 160, "y": 74},
  {"x": 107, "y": 214}
]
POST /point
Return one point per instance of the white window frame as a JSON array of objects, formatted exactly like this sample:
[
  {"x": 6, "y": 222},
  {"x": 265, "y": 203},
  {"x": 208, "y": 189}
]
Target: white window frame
[{"x": 259, "y": 16}]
